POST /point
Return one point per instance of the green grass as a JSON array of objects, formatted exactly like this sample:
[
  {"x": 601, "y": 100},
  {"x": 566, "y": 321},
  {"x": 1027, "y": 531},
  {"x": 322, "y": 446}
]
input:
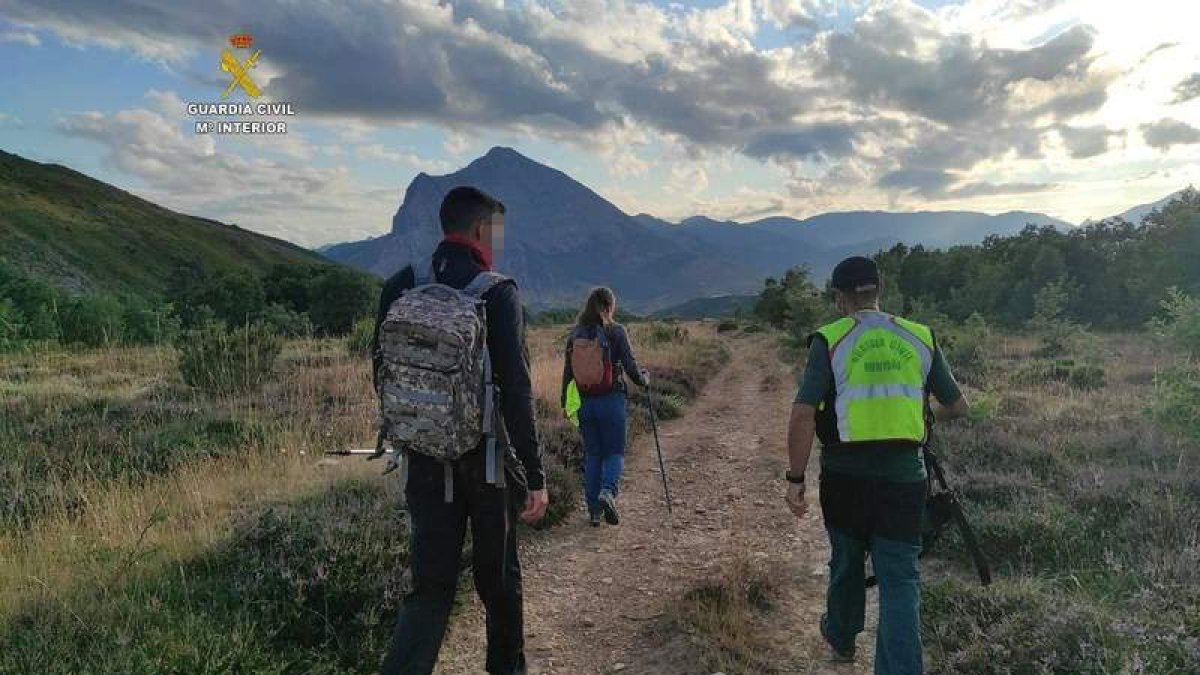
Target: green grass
[
  {"x": 1089, "y": 511},
  {"x": 304, "y": 586},
  {"x": 157, "y": 529}
]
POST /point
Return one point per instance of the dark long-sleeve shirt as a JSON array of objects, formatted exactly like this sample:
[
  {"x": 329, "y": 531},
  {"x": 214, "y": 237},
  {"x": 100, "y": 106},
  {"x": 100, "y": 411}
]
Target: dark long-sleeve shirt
[
  {"x": 621, "y": 354},
  {"x": 454, "y": 266}
]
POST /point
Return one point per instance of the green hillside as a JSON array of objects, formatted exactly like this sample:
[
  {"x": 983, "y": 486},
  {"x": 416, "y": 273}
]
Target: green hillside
[
  {"x": 715, "y": 307},
  {"x": 87, "y": 236}
]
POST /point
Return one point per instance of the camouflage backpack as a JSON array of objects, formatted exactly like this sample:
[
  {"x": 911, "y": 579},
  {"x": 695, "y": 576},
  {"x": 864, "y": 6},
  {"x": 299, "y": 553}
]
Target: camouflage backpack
[{"x": 436, "y": 393}]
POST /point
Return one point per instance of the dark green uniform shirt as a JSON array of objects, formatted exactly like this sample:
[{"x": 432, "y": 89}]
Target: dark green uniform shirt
[{"x": 884, "y": 462}]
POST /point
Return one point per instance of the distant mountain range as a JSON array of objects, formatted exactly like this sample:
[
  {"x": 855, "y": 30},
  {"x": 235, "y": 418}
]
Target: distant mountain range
[
  {"x": 562, "y": 238},
  {"x": 1138, "y": 213},
  {"x": 78, "y": 233}
]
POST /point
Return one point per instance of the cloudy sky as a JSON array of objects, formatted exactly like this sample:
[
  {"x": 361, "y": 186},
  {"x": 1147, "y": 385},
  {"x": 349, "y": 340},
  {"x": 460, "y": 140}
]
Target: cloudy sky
[{"x": 736, "y": 109}]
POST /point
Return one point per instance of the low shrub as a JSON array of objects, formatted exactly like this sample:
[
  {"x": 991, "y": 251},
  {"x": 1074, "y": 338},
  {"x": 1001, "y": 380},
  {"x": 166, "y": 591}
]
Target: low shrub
[
  {"x": 965, "y": 347},
  {"x": 1176, "y": 403},
  {"x": 1180, "y": 321},
  {"x": 148, "y": 323},
  {"x": 658, "y": 333},
  {"x": 12, "y": 325},
  {"x": 727, "y": 325},
  {"x": 309, "y": 586},
  {"x": 339, "y": 297},
  {"x": 217, "y": 360},
  {"x": 1084, "y": 376},
  {"x": 1050, "y": 321},
  {"x": 92, "y": 321},
  {"x": 1009, "y": 628},
  {"x": 1028, "y": 627},
  {"x": 1087, "y": 377},
  {"x": 286, "y": 322},
  {"x": 358, "y": 342}
]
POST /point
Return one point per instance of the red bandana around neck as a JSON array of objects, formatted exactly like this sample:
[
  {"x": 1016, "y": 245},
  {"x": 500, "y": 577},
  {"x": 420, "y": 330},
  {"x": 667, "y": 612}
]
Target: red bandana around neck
[{"x": 481, "y": 255}]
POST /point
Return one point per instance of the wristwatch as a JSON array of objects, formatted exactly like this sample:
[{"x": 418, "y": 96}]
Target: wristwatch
[{"x": 793, "y": 478}]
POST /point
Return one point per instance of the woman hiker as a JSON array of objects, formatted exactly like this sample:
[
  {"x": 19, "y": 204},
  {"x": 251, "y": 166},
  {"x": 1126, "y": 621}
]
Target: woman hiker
[{"x": 597, "y": 351}]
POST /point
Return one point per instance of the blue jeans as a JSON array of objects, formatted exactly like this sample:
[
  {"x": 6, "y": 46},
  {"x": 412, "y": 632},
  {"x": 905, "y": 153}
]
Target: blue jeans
[
  {"x": 602, "y": 424},
  {"x": 898, "y": 640}
]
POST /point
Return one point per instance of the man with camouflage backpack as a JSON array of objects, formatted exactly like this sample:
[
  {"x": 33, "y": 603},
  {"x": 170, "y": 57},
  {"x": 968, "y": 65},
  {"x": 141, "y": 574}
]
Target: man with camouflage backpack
[{"x": 452, "y": 372}]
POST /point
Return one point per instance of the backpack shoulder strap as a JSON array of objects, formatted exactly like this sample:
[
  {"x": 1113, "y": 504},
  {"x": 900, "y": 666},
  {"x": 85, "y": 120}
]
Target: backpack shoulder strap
[
  {"x": 484, "y": 282},
  {"x": 424, "y": 277}
]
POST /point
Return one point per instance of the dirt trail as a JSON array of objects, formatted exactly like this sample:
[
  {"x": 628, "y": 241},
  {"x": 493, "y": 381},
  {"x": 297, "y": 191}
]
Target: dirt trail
[{"x": 594, "y": 596}]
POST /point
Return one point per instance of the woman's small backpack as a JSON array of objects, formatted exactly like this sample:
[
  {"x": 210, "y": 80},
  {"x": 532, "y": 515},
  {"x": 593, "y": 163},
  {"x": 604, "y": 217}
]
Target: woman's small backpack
[{"x": 591, "y": 360}]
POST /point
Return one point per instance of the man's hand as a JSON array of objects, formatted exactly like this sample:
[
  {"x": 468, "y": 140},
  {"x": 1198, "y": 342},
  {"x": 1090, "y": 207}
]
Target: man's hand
[
  {"x": 795, "y": 499},
  {"x": 645, "y": 376},
  {"x": 535, "y": 506}
]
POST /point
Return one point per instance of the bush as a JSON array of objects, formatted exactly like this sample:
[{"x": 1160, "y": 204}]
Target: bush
[
  {"x": 235, "y": 298},
  {"x": 36, "y": 302},
  {"x": 1087, "y": 377},
  {"x": 728, "y": 325},
  {"x": 219, "y": 361},
  {"x": 1050, "y": 322},
  {"x": 793, "y": 303},
  {"x": 339, "y": 297},
  {"x": 1177, "y": 401},
  {"x": 1182, "y": 321},
  {"x": 1079, "y": 376},
  {"x": 657, "y": 333},
  {"x": 965, "y": 347},
  {"x": 93, "y": 321},
  {"x": 12, "y": 325},
  {"x": 147, "y": 323},
  {"x": 286, "y": 322},
  {"x": 358, "y": 342}
]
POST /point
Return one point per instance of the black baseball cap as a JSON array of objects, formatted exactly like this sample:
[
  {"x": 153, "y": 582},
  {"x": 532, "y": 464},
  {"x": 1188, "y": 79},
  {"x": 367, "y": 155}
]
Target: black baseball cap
[{"x": 856, "y": 274}]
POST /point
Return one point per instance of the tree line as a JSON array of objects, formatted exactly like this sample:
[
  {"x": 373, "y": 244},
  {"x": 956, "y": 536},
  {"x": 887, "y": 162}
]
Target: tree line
[
  {"x": 288, "y": 300},
  {"x": 1110, "y": 275}
]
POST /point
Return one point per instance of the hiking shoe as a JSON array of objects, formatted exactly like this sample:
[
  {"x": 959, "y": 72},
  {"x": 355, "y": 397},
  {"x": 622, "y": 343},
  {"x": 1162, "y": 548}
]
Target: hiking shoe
[
  {"x": 594, "y": 519},
  {"x": 608, "y": 506},
  {"x": 838, "y": 655}
]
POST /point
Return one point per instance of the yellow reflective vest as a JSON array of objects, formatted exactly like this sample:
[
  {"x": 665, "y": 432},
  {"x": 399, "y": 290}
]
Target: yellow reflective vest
[{"x": 880, "y": 365}]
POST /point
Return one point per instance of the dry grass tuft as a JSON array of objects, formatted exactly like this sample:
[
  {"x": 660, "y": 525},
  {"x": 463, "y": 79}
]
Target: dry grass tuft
[{"x": 725, "y": 619}]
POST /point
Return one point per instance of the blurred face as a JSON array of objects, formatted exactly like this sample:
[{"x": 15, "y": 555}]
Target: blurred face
[{"x": 491, "y": 236}]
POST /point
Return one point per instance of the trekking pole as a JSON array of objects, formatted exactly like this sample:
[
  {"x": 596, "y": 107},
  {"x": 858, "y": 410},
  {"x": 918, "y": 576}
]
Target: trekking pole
[{"x": 662, "y": 467}]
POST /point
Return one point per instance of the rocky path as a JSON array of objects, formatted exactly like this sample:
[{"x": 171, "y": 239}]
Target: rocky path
[{"x": 598, "y": 600}]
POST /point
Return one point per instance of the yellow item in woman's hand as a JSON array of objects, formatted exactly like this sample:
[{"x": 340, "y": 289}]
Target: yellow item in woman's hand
[{"x": 574, "y": 403}]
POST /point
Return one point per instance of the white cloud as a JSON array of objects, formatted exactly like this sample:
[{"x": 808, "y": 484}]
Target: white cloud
[
  {"x": 10, "y": 121},
  {"x": 190, "y": 173},
  {"x": 377, "y": 152},
  {"x": 961, "y": 105},
  {"x": 27, "y": 38},
  {"x": 688, "y": 180},
  {"x": 456, "y": 144}
]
